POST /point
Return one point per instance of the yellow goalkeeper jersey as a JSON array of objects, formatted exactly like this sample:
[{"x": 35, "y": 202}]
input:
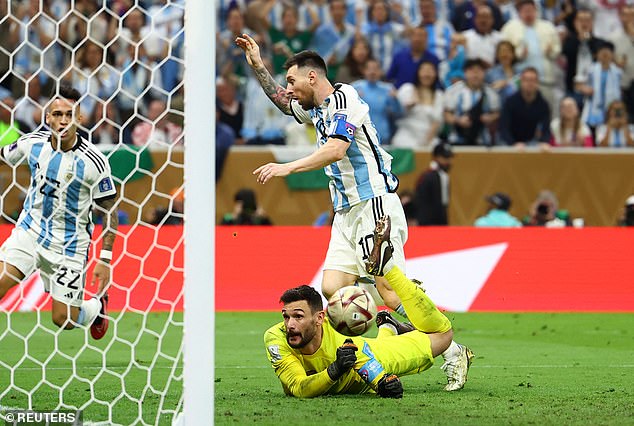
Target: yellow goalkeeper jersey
[{"x": 306, "y": 376}]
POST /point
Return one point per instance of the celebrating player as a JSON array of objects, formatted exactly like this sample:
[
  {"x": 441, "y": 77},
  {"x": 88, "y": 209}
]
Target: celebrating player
[
  {"x": 311, "y": 358},
  {"x": 54, "y": 230},
  {"x": 362, "y": 185}
]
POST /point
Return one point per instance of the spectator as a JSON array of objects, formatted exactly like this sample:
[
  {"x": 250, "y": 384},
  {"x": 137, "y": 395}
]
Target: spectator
[
  {"x": 439, "y": 32},
  {"x": 579, "y": 48},
  {"x": 383, "y": 34},
  {"x": 381, "y": 98},
  {"x": 507, "y": 10},
  {"x": 409, "y": 207},
  {"x": 627, "y": 217},
  {"x": 537, "y": 45},
  {"x": 246, "y": 210},
  {"x": 463, "y": 17},
  {"x": 229, "y": 57},
  {"x": 136, "y": 32},
  {"x": 95, "y": 78},
  {"x": 498, "y": 215},
  {"x": 158, "y": 131},
  {"x": 431, "y": 196},
  {"x": 481, "y": 41},
  {"x": 504, "y": 76},
  {"x": 525, "y": 114},
  {"x": 423, "y": 103},
  {"x": 568, "y": 129},
  {"x": 173, "y": 214},
  {"x": 225, "y": 139},
  {"x": 616, "y": 132},
  {"x": 263, "y": 124},
  {"x": 313, "y": 14},
  {"x": 559, "y": 12},
  {"x": 624, "y": 54},
  {"x": 29, "y": 109},
  {"x": 606, "y": 16},
  {"x": 545, "y": 212},
  {"x": 289, "y": 40},
  {"x": 9, "y": 128},
  {"x": 106, "y": 132},
  {"x": 86, "y": 21},
  {"x": 34, "y": 34},
  {"x": 471, "y": 108},
  {"x": 601, "y": 86},
  {"x": 354, "y": 64},
  {"x": 231, "y": 109},
  {"x": 406, "y": 62},
  {"x": 452, "y": 70},
  {"x": 332, "y": 40}
]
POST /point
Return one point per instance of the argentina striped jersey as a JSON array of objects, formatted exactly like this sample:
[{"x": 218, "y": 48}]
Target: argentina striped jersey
[
  {"x": 365, "y": 171},
  {"x": 57, "y": 207}
]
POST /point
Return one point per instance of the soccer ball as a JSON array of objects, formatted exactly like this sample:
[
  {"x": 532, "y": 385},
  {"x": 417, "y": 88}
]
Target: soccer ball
[{"x": 351, "y": 310}]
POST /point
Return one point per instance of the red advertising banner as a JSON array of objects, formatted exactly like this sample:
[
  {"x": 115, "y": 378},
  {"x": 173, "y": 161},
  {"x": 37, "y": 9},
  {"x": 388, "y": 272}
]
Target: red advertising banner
[{"x": 463, "y": 269}]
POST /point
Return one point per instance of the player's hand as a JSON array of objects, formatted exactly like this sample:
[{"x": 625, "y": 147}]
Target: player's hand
[
  {"x": 390, "y": 386},
  {"x": 101, "y": 275},
  {"x": 251, "y": 50},
  {"x": 346, "y": 357},
  {"x": 266, "y": 172}
]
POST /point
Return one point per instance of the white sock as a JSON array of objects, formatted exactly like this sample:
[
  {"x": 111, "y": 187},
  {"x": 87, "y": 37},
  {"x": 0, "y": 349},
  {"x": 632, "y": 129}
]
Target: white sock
[
  {"x": 452, "y": 351},
  {"x": 389, "y": 327},
  {"x": 91, "y": 308}
]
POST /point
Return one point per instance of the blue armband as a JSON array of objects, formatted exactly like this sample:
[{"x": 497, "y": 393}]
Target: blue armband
[{"x": 340, "y": 127}]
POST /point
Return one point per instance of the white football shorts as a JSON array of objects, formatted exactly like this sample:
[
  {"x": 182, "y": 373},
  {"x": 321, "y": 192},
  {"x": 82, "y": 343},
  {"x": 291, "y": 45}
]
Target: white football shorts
[
  {"x": 63, "y": 276},
  {"x": 352, "y": 230}
]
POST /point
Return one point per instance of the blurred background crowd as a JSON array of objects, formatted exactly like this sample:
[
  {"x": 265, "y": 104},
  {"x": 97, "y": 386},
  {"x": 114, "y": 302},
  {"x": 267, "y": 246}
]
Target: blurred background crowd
[
  {"x": 551, "y": 73},
  {"x": 126, "y": 56}
]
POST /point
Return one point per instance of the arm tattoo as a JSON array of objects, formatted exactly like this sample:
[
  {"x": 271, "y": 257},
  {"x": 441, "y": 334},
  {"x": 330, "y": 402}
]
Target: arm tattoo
[
  {"x": 273, "y": 90},
  {"x": 110, "y": 222}
]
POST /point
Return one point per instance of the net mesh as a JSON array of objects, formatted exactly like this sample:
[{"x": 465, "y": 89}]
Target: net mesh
[{"x": 126, "y": 58}]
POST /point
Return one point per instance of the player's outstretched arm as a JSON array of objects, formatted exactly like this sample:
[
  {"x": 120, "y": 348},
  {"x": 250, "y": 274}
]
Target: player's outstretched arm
[
  {"x": 276, "y": 93},
  {"x": 331, "y": 151},
  {"x": 101, "y": 273}
]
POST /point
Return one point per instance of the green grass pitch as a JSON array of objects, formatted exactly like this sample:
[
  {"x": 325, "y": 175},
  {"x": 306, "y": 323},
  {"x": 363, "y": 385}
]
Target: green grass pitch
[{"x": 529, "y": 369}]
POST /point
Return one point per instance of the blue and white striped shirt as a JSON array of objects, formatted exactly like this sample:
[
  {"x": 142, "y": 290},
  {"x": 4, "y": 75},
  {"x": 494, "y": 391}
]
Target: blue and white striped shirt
[
  {"x": 365, "y": 171},
  {"x": 57, "y": 208}
]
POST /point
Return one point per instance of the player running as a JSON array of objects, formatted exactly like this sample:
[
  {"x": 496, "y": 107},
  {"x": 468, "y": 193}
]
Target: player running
[
  {"x": 310, "y": 358},
  {"x": 54, "y": 230},
  {"x": 362, "y": 185}
]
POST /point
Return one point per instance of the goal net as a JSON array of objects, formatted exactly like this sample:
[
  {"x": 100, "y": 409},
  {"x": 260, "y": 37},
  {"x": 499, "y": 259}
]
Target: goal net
[{"x": 126, "y": 59}]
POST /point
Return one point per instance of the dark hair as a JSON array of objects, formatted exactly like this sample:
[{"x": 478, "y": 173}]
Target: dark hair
[
  {"x": 505, "y": 43},
  {"x": 303, "y": 292},
  {"x": 66, "y": 91},
  {"x": 477, "y": 62},
  {"x": 436, "y": 83},
  {"x": 307, "y": 58},
  {"x": 522, "y": 3},
  {"x": 530, "y": 69},
  {"x": 247, "y": 196},
  {"x": 356, "y": 69}
]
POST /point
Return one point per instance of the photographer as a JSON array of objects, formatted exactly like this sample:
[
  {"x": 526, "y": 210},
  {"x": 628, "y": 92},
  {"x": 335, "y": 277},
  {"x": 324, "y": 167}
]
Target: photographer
[
  {"x": 545, "y": 212},
  {"x": 616, "y": 132},
  {"x": 627, "y": 217}
]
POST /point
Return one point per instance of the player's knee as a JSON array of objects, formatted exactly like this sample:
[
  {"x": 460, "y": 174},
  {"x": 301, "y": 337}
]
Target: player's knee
[
  {"x": 61, "y": 320},
  {"x": 328, "y": 289}
]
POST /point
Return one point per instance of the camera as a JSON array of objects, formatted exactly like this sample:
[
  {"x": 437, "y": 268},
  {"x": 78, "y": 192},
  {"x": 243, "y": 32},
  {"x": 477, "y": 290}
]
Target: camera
[{"x": 543, "y": 209}]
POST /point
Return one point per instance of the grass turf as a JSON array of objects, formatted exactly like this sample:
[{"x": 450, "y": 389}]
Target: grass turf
[{"x": 529, "y": 368}]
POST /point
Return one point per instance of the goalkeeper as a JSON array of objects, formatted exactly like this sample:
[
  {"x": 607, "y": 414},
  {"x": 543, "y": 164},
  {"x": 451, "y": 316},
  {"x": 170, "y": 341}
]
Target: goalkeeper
[{"x": 311, "y": 358}]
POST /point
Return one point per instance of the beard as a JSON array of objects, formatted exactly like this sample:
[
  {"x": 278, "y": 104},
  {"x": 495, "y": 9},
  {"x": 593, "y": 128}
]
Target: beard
[
  {"x": 305, "y": 339},
  {"x": 307, "y": 106}
]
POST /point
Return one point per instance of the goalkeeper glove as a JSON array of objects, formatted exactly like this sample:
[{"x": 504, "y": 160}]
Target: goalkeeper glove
[
  {"x": 346, "y": 357},
  {"x": 390, "y": 386}
]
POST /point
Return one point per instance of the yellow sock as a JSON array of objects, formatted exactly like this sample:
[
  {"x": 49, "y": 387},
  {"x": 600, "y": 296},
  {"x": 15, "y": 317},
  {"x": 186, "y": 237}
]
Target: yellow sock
[{"x": 421, "y": 311}]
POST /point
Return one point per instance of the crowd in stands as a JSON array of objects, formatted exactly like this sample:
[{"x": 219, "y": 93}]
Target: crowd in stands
[
  {"x": 126, "y": 56},
  {"x": 547, "y": 73}
]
